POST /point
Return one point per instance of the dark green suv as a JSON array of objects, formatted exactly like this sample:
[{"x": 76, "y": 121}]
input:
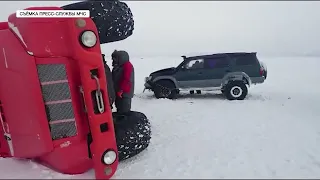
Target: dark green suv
[{"x": 230, "y": 73}]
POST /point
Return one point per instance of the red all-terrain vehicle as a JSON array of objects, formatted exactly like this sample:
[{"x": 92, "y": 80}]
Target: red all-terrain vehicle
[{"x": 53, "y": 93}]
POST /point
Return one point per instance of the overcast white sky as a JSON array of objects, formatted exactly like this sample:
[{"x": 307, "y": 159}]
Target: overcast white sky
[{"x": 182, "y": 27}]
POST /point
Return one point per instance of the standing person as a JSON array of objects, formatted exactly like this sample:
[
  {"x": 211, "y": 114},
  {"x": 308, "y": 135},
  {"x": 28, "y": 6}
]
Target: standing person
[
  {"x": 123, "y": 79},
  {"x": 110, "y": 86}
]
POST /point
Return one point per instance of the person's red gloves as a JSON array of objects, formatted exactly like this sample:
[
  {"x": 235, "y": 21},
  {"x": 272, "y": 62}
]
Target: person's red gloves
[{"x": 120, "y": 94}]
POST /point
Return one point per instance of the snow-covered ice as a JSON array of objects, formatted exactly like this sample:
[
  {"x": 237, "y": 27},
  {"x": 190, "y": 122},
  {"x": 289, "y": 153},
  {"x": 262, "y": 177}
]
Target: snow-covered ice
[{"x": 273, "y": 133}]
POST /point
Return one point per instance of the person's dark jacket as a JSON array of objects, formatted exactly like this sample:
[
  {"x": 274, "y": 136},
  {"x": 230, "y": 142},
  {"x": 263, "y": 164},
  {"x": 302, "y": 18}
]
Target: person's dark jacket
[
  {"x": 123, "y": 74},
  {"x": 110, "y": 86}
]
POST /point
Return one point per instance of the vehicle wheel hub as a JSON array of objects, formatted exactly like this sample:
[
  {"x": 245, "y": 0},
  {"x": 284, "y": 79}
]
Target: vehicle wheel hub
[
  {"x": 236, "y": 91},
  {"x": 165, "y": 92}
]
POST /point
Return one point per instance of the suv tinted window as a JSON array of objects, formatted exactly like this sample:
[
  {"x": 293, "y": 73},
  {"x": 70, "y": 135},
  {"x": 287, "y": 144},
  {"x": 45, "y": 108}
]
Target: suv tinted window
[
  {"x": 195, "y": 64},
  {"x": 245, "y": 60},
  {"x": 217, "y": 62}
]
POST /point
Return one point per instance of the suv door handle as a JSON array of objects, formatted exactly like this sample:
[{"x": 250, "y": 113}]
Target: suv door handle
[
  {"x": 228, "y": 71},
  {"x": 199, "y": 73}
]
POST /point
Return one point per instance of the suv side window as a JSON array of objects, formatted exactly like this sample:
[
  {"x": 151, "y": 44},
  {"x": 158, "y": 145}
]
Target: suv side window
[
  {"x": 217, "y": 62},
  {"x": 195, "y": 64},
  {"x": 245, "y": 60}
]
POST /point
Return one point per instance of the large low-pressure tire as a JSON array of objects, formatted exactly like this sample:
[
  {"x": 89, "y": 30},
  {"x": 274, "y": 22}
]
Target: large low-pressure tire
[
  {"x": 114, "y": 19},
  {"x": 165, "y": 89},
  {"x": 235, "y": 90},
  {"x": 133, "y": 133}
]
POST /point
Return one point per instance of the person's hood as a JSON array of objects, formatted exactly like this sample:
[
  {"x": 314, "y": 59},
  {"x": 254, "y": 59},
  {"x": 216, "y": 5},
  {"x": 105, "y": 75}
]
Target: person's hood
[{"x": 121, "y": 57}]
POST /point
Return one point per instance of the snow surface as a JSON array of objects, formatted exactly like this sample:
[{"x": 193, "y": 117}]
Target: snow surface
[{"x": 273, "y": 133}]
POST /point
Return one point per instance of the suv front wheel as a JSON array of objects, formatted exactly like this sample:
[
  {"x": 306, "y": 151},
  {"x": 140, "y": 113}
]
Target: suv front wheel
[
  {"x": 165, "y": 89},
  {"x": 235, "y": 90}
]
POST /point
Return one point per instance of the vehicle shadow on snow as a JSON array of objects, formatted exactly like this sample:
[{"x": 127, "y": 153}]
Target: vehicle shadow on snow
[
  {"x": 208, "y": 95},
  {"x": 202, "y": 96},
  {"x": 184, "y": 96},
  {"x": 219, "y": 96}
]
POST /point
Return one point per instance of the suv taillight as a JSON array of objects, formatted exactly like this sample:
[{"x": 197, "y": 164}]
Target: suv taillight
[{"x": 261, "y": 71}]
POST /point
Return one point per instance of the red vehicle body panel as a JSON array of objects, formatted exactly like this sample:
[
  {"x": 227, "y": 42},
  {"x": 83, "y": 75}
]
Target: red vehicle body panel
[
  {"x": 21, "y": 98},
  {"x": 35, "y": 50},
  {"x": 4, "y": 25}
]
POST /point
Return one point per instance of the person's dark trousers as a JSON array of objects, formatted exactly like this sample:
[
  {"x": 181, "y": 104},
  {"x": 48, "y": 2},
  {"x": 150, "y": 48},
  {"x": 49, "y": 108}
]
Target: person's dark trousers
[{"x": 123, "y": 104}]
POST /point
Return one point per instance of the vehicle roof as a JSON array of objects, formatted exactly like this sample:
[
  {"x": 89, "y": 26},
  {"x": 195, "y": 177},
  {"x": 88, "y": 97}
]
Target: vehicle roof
[{"x": 218, "y": 55}]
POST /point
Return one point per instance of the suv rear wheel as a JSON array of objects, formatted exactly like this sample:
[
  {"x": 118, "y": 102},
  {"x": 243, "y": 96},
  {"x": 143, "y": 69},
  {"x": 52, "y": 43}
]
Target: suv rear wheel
[
  {"x": 165, "y": 89},
  {"x": 235, "y": 90}
]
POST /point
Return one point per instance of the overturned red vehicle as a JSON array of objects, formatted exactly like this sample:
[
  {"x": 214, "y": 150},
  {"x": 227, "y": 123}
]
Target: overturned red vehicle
[{"x": 53, "y": 95}]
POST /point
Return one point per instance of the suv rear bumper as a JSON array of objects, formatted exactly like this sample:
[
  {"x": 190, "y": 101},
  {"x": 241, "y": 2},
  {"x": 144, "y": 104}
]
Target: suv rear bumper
[{"x": 257, "y": 80}]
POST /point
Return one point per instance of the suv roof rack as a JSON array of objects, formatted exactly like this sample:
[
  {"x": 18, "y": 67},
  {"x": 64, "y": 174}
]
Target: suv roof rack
[{"x": 218, "y": 54}]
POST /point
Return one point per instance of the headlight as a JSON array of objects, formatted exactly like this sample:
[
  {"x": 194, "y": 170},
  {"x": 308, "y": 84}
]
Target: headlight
[
  {"x": 109, "y": 157},
  {"x": 88, "y": 39}
]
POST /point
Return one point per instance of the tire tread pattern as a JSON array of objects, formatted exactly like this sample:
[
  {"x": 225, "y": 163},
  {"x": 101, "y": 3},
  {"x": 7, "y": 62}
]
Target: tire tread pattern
[
  {"x": 133, "y": 134},
  {"x": 114, "y": 19}
]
